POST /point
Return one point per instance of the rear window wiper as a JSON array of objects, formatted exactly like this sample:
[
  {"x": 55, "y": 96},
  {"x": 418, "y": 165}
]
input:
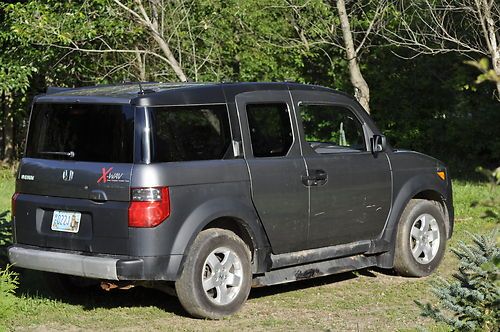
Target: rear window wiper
[{"x": 70, "y": 154}]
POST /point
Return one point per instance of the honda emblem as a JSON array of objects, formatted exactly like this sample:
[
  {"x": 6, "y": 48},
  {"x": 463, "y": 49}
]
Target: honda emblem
[{"x": 67, "y": 175}]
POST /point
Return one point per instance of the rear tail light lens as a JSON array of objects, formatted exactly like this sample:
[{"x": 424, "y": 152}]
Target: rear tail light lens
[
  {"x": 13, "y": 204},
  {"x": 149, "y": 207}
]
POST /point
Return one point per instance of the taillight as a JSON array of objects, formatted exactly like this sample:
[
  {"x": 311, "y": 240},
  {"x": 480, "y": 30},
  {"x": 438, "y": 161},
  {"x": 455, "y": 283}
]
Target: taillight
[
  {"x": 13, "y": 204},
  {"x": 149, "y": 207}
]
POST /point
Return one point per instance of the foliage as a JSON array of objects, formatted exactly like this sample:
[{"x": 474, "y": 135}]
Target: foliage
[
  {"x": 487, "y": 74},
  {"x": 471, "y": 300},
  {"x": 5, "y": 236},
  {"x": 8, "y": 285},
  {"x": 429, "y": 104}
]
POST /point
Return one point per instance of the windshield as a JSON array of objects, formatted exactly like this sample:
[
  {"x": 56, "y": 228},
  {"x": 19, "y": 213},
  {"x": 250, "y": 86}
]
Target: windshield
[{"x": 81, "y": 132}]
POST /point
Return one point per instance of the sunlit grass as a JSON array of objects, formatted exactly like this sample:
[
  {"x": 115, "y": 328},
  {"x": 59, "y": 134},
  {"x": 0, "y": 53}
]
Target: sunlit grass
[{"x": 7, "y": 183}]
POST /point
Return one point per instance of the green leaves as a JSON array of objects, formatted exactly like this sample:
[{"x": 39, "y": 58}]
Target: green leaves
[
  {"x": 483, "y": 65},
  {"x": 15, "y": 77}
]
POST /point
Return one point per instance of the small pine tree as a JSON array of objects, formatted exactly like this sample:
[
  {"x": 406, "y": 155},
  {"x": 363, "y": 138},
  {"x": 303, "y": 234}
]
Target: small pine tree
[{"x": 471, "y": 300}]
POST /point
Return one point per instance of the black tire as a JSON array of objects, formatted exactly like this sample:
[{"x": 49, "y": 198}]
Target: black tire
[
  {"x": 428, "y": 251},
  {"x": 200, "y": 266}
]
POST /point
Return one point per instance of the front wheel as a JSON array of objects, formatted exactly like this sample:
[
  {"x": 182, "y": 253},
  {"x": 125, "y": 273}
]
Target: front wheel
[
  {"x": 421, "y": 239},
  {"x": 216, "y": 278}
]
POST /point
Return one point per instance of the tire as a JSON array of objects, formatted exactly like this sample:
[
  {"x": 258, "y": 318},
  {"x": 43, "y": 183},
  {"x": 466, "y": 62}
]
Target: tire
[
  {"x": 421, "y": 239},
  {"x": 220, "y": 260}
]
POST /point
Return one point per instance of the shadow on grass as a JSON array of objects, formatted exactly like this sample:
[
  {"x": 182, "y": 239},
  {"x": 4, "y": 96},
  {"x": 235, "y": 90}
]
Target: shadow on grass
[
  {"x": 35, "y": 284},
  {"x": 314, "y": 282}
]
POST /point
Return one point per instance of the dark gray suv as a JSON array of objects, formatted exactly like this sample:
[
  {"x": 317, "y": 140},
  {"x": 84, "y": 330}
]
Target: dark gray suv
[{"x": 215, "y": 188}]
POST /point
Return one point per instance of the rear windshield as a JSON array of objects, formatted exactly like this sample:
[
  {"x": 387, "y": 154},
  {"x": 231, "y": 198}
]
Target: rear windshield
[
  {"x": 81, "y": 132},
  {"x": 184, "y": 133}
]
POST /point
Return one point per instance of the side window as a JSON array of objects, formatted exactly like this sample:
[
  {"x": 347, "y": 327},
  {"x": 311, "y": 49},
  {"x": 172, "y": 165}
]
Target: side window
[
  {"x": 331, "y": 128},
  {"x": 270, "y": 129},
  {"x": 183, "y": 133}
]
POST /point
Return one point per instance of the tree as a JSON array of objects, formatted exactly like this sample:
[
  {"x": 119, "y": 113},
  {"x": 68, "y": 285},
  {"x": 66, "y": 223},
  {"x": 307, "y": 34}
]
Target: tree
[
  {"x": 471, "y": 299},
  {"x": 15, "y": 74},
  {"x": 329, "y": 26},
  {"x": 153, "y": 20},
  {"x": 468, "y": 27},
  {"x": 155, "y": 40},
  {"x": 362, "y": 90}
]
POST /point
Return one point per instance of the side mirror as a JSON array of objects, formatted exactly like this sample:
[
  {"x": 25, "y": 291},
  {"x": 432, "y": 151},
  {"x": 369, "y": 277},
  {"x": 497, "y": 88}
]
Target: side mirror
[{"x": 378, "y": 143}]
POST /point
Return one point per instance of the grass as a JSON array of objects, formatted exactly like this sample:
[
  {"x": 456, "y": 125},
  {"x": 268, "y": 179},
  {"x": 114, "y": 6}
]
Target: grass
[
  {"x": 367, "y": 300},
  {"x": 6, "y": 188}
]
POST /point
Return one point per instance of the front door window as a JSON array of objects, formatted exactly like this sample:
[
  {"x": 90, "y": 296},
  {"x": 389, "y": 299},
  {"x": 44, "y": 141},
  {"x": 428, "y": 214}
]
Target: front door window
[{"x": 331, "y": 128}]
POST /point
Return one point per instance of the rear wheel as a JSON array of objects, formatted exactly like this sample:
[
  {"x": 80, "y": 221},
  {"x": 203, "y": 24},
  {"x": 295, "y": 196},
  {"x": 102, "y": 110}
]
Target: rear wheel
[
  {"x": 216, "y": 278},
  {"x": 421, "y": 239}
]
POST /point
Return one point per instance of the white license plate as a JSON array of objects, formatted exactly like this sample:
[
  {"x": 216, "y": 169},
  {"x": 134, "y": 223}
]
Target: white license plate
[{"x": 66, "y": 221}]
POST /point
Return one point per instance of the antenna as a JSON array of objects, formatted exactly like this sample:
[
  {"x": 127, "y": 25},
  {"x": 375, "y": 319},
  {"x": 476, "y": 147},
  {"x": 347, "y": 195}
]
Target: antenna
[{"x": 141, "y": 90}]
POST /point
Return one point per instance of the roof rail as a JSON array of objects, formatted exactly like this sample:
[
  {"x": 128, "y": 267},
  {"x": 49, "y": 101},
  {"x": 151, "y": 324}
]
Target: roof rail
[{"x": 56, "y": 89}]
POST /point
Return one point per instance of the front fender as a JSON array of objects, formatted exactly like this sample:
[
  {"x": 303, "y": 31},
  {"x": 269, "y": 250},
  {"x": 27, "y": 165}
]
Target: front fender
[
  {"x": 407, "y": 190},
  {"x": 404, "y": 191}
]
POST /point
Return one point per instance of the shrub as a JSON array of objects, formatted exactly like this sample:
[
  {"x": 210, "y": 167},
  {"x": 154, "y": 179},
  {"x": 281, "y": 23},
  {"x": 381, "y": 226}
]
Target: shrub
[
  {"x": 471, "y": 300},
  {"x": 8, "y": 285},
  {"x": 5, "y": 236}
]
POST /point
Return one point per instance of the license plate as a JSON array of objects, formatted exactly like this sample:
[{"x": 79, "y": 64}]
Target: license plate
[{"x": 66, "y": 221}]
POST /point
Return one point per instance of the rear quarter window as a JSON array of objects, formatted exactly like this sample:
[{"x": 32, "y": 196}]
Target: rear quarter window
[{"x": 188, "y": 133}]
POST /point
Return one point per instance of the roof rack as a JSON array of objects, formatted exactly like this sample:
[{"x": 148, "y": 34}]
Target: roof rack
[{"x": 56, "y": 89}]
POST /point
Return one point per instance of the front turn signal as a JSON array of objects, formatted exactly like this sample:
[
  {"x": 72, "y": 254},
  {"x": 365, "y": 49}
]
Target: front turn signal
[{"x": 442, "y": 175}]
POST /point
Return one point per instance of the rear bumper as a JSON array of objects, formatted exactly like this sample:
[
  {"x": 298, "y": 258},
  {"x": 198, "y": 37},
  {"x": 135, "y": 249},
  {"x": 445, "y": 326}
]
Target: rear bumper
[{"x": 95, "y": 266}]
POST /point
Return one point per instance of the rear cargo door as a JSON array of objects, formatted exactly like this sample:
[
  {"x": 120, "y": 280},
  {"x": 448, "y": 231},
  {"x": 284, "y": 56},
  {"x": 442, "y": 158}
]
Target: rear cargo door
[{"x": 74, "y": 183}]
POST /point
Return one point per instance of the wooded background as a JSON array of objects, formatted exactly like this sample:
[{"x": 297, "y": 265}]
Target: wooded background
[{"x": 403, "y": 60}]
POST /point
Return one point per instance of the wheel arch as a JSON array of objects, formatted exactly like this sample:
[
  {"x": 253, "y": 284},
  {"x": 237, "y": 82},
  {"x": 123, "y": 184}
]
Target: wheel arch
[
  {"x": 225, "y": 213},
  {"x": 238, "y": 227},
  {"x": 422, "y": 186}
]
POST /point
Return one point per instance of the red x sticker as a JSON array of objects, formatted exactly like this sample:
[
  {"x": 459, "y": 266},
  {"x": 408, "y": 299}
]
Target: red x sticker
[{"x": 104, "y": 177}]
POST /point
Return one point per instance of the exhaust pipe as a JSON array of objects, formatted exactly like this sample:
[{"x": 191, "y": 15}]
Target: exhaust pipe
[{"x": 108, "y": 285}]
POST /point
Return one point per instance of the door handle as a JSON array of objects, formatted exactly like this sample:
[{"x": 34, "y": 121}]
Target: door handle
[
  {"x": 320, "y": 175},
  {"x": 316, "y": 177}
]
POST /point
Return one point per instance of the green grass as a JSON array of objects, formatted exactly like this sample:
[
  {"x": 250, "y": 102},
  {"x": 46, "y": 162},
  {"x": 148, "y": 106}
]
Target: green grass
[
  {"x": 367, "y": 300},
  {"x": 6, "y": 188}
]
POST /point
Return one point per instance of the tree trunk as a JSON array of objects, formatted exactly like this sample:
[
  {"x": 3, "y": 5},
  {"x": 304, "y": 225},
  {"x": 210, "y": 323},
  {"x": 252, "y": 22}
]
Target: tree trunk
[
  {"x": 361, "y": 88},
  {"x": 491, "y": 37},
  {"x": 141, "y": 65},
  {"x": 496, "y": 68},
  {"x": 8, "y": 130},
  {"x": 174, "y": 64},
  {"x": 150, "y": 22}
]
